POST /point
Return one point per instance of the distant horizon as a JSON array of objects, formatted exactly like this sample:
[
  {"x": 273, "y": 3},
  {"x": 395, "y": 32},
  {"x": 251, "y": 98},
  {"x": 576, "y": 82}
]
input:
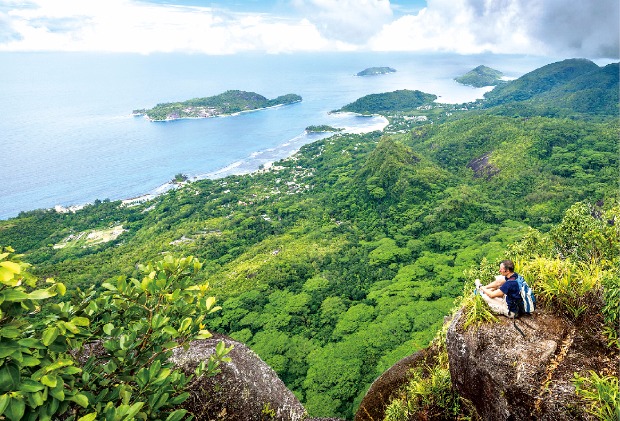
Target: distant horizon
[{"x": 554, "y": 28}]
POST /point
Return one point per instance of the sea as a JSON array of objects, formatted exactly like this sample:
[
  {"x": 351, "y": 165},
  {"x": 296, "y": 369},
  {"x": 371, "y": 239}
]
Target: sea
[{"x": 68, "y": 136}]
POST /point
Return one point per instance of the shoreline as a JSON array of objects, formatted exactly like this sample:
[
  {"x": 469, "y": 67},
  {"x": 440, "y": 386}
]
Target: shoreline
[
  {"x": 227, "y": 170},
  {"x": 144, "y": 115}
]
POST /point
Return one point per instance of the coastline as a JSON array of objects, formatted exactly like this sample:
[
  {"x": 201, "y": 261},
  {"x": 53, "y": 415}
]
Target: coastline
[
  {"x": 210, "y": 116},
  {"x": 252, "y": 165}
]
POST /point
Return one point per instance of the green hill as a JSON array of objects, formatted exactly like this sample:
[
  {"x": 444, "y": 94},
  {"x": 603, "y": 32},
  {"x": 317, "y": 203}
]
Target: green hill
[
  {"x": 481, "y": 76},
  {"x": 337, "y": 262},
  {"x": 566, "y": 88},
  {"x": 388, "y": 102}
]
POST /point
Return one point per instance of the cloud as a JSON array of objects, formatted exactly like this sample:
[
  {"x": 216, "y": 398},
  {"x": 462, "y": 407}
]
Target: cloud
[
  {"x": 550, "y": 27},
  {"x": 130, "y": 26},
  {"x": 352, "y": 21}
]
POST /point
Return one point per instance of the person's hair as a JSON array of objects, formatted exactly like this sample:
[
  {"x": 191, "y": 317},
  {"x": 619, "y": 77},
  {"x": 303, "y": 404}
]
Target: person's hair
[{"x": 508, "y": 265}]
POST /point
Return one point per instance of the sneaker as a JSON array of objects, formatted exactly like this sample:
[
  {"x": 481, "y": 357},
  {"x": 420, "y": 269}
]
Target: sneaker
[{"x": 478, "y": 284}]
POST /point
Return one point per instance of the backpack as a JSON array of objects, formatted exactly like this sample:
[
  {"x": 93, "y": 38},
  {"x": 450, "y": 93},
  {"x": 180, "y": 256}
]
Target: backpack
[{"x": 528, "y": 304}]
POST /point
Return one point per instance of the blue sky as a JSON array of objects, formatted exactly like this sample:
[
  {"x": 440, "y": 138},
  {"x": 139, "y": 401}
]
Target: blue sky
[{"x": 538, "y": 27}]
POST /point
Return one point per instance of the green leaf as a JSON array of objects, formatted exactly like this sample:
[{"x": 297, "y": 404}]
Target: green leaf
[
  {"x": 134, "y": 409},
  {"x": 11, "y": 266},
  {"x": 80, "y": 399},
  {"x": 88, "y": 417},
  {"x": 210, "y": 302},
  {"x": 142, "y": 378},
  {"x": 31, "y": 343},
  {"x": 107, "y": 329},
  {"x": 10, "y": 332},
  {"x": 58, "y": 364},
  {"x": 15, "y": 410},
  {"x": 176, "y": 415},
  {"x": 80, "y": 321},
  {"x": 108, "y": 286},
  {"x": 58, "y": 392},
  {"x": 49, "y": 380},
  {"x": 41, "y": 294},
  {"x": 37, "y": 398},
  {"x": 185, "y": 324},
  {"x": 7, "y": 277},
  {"x": 61, "y": 288},
  {"x": 170, "y": 331},
  {"x": 28, "y": 361},
  {"x": 15, "y": 295},
  {"x": 4, "y": 402},
  {"x": 9, "y": 375},
  {"x": 30, "y": 386},
  {"x": 49, "y": 335}
]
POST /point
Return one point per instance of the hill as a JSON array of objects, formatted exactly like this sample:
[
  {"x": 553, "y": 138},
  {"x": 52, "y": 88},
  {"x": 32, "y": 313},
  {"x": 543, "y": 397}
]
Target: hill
[
  {"x": 386, "y": 103},
  {"x": 571, "y": 87},
  {"x": 481, "y": 76},
  {"x": 336, "y": 263}
]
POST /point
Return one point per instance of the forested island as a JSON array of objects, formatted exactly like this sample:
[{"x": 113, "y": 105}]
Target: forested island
[
  {"x": 389, "y": 102},
  {"x": 323, "y": 128},
  {"x": 481, "y": 76},
  {"x": 229, "y": 102},
  {"x": 373, "y": 71},
  {"x": 337, "y": 263}
]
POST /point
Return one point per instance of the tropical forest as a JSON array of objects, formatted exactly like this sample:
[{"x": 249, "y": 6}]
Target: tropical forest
[{"x": 331, "y": 265}]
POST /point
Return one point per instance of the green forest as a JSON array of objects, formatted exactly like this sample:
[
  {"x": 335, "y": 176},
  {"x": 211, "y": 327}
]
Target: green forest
[
  {"x": 229, "y": 102},
  {"x": 337, "y": 262}
]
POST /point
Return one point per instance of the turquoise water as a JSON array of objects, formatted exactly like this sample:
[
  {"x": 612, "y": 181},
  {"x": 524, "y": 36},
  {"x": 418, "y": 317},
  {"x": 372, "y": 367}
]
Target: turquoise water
[{"x": 67, "y": 135}]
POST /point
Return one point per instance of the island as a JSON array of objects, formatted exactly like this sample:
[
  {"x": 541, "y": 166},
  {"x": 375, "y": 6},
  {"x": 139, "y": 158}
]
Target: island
[
  {"x": 227, "y": 103},
  {"x": 373, "y": 71},
  {"x": 480, "y": 77},
  {"x": 389, "y": 102},
  {"x": 323, "y": 128}
]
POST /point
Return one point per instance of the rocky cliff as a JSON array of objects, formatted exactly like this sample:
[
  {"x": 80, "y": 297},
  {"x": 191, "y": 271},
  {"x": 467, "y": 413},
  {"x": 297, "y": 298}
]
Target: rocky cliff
[
  {"x": 508, "y": 376},
  {"x": 505, "y": 374}
]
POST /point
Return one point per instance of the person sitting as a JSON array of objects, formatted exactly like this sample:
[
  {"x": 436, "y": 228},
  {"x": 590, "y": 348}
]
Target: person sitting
[{"x": 502, "y": 295}]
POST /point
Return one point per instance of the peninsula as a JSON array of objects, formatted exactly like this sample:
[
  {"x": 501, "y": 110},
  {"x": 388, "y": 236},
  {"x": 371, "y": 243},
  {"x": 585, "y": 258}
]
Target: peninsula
[
  {"x": 227, "y": 103},
  {"x": 372, "y": 71}
]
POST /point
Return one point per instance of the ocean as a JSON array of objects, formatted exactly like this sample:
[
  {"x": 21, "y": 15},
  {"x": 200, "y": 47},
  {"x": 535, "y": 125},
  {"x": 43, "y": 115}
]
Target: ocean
[{"x": 67, "y": 136}]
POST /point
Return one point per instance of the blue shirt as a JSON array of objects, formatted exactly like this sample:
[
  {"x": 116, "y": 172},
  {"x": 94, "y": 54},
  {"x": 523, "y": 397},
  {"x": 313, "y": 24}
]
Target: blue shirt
[{"x": 510, "y": 288}]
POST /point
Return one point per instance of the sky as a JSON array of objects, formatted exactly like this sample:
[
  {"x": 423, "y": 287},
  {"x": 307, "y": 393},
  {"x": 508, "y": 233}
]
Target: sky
[{"x": 559, "y": 28}]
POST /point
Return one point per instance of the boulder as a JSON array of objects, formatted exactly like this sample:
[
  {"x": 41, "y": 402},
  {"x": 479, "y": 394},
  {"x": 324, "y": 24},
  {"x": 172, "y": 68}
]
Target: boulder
[
  {"x": 379, "y": 394},
  {"x": 511, "y": 377},
  {"x": 246, "y": 389}
]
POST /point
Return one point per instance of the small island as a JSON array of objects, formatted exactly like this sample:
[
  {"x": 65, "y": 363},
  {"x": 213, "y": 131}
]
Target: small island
[
  {"x": 227, "y": 103},
  {"x": 373, "y": 71},
  {"x": 323, "y": 128},
  {"x": 480, "y": 77}
]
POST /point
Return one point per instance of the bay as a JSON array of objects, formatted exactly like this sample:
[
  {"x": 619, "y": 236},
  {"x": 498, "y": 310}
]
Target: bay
[{"x": 67, "y": 136}]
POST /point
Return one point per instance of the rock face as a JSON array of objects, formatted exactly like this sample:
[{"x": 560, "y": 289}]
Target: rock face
[
  {"x": 509, "y": 377},
  {"x": 246, "y": 389},
  {"x": 377, "y": 398}
]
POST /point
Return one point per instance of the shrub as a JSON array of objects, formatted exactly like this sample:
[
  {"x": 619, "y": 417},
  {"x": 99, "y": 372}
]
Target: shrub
[
  {"x": 600, "y": 394},
  {"x": 130, "y": 331}
]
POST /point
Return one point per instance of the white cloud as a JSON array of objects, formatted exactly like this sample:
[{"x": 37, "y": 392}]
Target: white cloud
[
  {"x": 353, "y": 21},
  {"x": 129, "y": 26},
  {"x": 549, "y": 27}
]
